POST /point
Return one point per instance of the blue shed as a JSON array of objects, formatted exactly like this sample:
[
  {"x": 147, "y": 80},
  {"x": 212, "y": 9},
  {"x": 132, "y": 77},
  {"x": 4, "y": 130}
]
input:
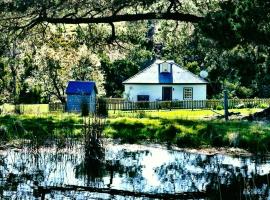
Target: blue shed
[{"x": 80, "y": 93}]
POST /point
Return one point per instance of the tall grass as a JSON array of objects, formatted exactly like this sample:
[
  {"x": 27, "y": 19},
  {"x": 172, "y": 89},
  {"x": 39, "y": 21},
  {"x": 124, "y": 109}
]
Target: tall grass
[
  {"x": 253, "y": 136},
  {"x": 40, "y": 128}
]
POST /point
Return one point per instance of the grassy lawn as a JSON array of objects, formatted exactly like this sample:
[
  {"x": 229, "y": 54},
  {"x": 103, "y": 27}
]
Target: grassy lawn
[
  {"x": 184, "y": 128},
  {"x": 39, "y": 127},
  {"x": 253, "y": 136},
  {"x": 180, "y": 114}
]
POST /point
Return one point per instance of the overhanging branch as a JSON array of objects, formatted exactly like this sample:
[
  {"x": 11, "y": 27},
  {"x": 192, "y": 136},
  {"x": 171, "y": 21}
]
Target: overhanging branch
[{"x": 125, "y": 17}]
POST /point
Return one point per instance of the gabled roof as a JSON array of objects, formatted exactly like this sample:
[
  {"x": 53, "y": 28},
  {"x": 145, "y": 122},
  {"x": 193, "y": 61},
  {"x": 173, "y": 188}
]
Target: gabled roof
[
  {"x": 151, "y": 75},
  {"x": 81, "y": 87}
]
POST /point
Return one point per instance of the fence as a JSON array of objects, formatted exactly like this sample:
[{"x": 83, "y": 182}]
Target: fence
[
  {"x": 56, "y": 107},
  {"x": 24, "y": 108},
  {"x": 121, "y": 104}
]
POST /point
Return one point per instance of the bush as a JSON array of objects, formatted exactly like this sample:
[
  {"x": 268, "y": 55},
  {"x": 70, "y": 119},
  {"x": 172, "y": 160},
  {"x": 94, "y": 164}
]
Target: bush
[
  {"x": 18, "y": 128},
  {"x": 102, "y": 109},
  {"x": 84, "y": 108},
  {"x": 167, "y": 133},
  {"x": 263, "y": 105},
  {"x": 165, "y": 105},
  {"x": 3, "y": 133},
  {"x": 250, "y": 105},
  {"x": 187, "y": 140},
  {"x": 219, "y": 107}
]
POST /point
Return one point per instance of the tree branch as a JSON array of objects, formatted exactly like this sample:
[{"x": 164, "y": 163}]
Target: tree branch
[
  {"x": 125, "y": 17},
  {"x": 184, "y": 195}
]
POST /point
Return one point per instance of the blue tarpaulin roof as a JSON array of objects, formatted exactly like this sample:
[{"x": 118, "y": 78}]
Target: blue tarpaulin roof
[{"x": 81, "y": 87}]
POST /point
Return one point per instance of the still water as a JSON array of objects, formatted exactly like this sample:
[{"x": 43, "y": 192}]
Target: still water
[{"x": 149, "y": 169}]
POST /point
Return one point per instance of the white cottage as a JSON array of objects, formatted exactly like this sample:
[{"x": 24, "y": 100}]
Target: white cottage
[{"x": 166, "y": 81}]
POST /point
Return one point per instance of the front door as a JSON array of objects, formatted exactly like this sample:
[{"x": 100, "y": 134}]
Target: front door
[{"x": 166, "y": 93}]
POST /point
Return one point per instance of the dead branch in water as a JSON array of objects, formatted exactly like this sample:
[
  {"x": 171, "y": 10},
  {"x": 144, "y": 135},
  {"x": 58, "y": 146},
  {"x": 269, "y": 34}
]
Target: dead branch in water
[{"x": 184, "y": 195}]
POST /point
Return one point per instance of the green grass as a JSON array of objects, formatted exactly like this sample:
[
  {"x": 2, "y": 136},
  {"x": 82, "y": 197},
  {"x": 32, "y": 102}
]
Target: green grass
[
  {"x": 184, "y": 128},
  {"x": 179, "y": 114},
  {"x": 253, "y": 136},
  {"x": 39, "y": 127}
]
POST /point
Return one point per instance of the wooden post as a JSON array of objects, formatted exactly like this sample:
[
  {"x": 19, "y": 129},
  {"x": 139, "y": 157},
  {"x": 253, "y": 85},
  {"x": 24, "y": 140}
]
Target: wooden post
[{"x": 226, "y": 112}]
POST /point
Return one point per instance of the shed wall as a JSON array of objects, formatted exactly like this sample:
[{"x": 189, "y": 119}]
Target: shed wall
[{"x": 74, "y": 102}]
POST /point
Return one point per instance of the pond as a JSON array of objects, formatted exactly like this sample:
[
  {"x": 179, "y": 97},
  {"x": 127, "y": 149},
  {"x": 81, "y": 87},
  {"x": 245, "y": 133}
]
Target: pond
[{"x": 130, "y": 171}]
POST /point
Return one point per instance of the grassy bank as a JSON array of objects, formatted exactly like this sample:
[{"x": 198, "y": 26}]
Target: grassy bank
[
  {"x": 39, "y": 128},
  {"x": 252, "y": 136},
  {"x": 184, "y": 128}
]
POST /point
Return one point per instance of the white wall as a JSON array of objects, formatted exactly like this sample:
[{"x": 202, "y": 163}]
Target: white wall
[{"x": 155, "y": 91}]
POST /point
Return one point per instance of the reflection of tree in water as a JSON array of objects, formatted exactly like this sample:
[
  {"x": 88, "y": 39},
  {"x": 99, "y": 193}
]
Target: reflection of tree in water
[
  {"x": 128, "y": 165},
  {"x": 123, "y": 169},
  {"x": 22, "y": 170},
  {"x": 195, "y": 173}
]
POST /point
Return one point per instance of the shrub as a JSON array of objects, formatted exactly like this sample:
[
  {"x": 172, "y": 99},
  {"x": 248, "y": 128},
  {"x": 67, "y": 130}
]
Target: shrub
[
  {"x": 102, "y": 109},
  {"x": 3, "y": 133},
  {"x": 219, "y": 107},
  {"x": 250, "y": 105},
  {"x": 187, "y": 140},
  {"x": 263, "y": 105},
  {"x": 165, "y": 105},
  {"x": 18, "y": 109},
  {"x": 18, "y": 128},
  {"x": 84, "y": 108},
  {"x": 167, "y": 133}
]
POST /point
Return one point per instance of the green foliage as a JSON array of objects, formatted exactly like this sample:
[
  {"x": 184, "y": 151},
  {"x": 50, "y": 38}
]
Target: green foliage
[
  {"x": 165, "y": 105},
  {"x": 115, "y": 73},
  {"x": 219, "y": 107},
  {"x": 192, "y": 133},
  {"x": 193, "y": 67},
  {"x": 102, "y": 109},
  {"x": 84, "y": 108},
  {"x": 167, "y": 133},
  {"x": 3, "y": 133},
  {"x": 238, "y": 22},
  {"x": 39, "y": 129},
  {"x": 263, "y": 105}
]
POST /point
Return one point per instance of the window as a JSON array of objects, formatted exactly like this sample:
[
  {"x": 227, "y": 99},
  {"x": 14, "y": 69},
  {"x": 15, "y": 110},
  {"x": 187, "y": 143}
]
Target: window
[
  {"x": 143, "y": 97},
  {"x": 165, "y": 68},
  {"x": 188, "y": 93}
]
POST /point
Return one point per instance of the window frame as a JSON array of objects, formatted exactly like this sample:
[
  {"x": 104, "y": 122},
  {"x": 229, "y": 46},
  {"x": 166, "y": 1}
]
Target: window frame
[
  {"x": 165, "y": 65},
  {"x": 184, "y": 93}
]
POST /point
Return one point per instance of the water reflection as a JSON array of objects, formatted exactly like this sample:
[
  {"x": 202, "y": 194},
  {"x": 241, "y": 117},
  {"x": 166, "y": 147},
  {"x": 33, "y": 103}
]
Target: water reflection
[{"x": 130, "y": 168}]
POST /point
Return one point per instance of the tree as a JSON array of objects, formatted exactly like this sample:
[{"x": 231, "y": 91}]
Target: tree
[
  {"x": 241, "y": 32},
  {"x": 26, "y": 14},
  {"x": 239, "y": 22}
]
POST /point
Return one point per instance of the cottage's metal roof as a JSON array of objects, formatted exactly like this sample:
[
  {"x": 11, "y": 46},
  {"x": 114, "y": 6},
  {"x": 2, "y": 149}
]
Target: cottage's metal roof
[
  {"x": 151, "y": 75},
  {"x": 81, "y": 87}
]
